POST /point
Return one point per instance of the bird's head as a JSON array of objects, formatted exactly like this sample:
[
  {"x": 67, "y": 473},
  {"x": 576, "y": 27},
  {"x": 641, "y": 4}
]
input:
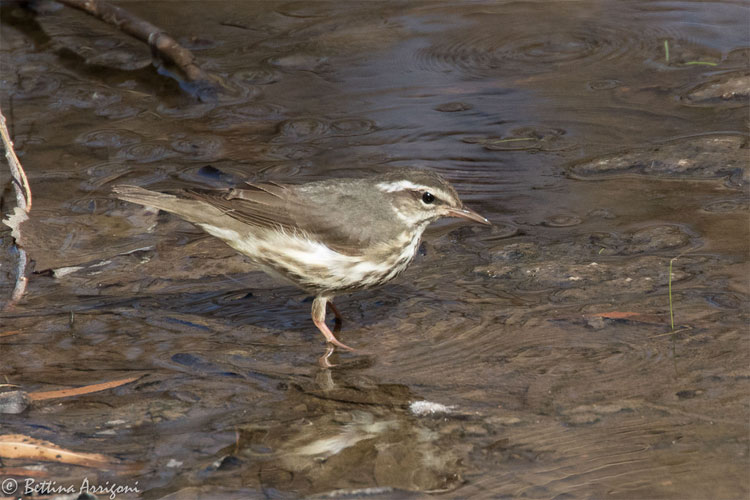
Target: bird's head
[{"x": 420, "y": 197}]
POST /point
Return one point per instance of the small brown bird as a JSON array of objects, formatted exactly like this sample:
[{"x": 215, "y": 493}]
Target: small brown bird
[{"x": 326, "y": 237}]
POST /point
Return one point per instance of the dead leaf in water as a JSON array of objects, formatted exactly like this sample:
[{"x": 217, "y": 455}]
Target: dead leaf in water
[
  {"x": 615, "y": 314},
  {"x": 632, "y": 316},
  {"x": 77, "y": 391}
]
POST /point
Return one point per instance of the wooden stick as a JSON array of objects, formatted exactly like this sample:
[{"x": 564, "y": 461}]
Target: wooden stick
[
  {"x": 23, "y": 200},
  {"x": 163, "y": 44},
  {"x": 20, "y": 182}
]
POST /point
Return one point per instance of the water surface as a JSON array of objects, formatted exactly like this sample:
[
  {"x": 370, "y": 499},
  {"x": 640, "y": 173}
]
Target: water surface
[{"x": 547, "y": 336}]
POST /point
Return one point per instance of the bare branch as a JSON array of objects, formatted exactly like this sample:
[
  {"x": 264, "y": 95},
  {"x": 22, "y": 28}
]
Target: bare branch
[
  {"x": 20, "y": 182},
  {"x": 19, "y": 214},
  {"x": 161, "y": 43}
]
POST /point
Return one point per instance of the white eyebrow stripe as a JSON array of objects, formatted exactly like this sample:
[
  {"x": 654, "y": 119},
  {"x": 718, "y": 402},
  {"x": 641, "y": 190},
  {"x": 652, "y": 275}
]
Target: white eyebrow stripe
[{"x": 401, "y": 185}]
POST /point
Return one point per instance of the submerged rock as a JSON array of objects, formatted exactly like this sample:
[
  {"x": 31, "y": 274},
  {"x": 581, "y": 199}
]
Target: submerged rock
[
  {"x": 733, "y": 88},
  {"x": 705, "y": 157},
  {"x": 13, "y": 402}
]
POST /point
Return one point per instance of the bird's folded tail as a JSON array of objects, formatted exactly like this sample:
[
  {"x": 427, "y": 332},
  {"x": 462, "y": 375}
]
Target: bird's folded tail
[{"x": 194, "y": 211}]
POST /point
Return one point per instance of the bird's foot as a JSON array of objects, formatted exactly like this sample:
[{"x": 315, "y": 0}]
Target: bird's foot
[
  {"x": 330, "y": 337},
  {"x": 333, "y": 340}
]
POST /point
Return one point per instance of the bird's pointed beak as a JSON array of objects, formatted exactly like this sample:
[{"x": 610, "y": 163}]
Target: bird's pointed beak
[{"x": 469, "y": 214}]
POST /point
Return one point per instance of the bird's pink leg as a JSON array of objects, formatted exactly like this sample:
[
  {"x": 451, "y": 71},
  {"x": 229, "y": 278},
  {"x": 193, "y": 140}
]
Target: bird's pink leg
[
  {"x": 319, "y": 318},
  {"x": 335, "y": 311}
]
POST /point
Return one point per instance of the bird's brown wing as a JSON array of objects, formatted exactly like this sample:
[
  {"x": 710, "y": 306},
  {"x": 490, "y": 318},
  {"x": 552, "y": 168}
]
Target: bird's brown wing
[
  {"x": 280, "y": 207},
  {"x": 262, "y": 206}
]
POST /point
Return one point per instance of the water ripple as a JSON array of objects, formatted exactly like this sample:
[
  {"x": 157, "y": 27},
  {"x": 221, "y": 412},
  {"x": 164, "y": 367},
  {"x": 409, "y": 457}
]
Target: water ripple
[
  {"x": 726, "y": 206},
  {"x": 304, "y": 129},
  {"x": 84, "y": 97},
  {"x": 488, "y": 49},
  {"x": 308, "y": 129},
  {"x": 33, "y": 85},
  {"x": 103, "y": 174},
  {"x": 255, "y": 114},
  {"x": 109, "y": 138},
  {"x": 146, "y": 152},
  {"x": 257, "y": 76},
  {"x": 352, "y": 126},
  {"x": 523, "y": 139},
  {"x": 198, "y": 147}
]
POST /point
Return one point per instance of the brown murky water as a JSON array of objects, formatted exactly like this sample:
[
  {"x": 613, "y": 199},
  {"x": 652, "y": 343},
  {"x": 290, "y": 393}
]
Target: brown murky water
[{"x": 598, "y": 159}]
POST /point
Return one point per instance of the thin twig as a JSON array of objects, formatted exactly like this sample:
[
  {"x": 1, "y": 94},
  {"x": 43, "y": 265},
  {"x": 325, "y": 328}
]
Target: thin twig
[
  {"x": 166, "y": 46},
  {"x": 19, "y": 214},
  {"x": 669, "y": 285},
  {"x": 20, "y": 182},
  {"x": 671, "y": 310}
]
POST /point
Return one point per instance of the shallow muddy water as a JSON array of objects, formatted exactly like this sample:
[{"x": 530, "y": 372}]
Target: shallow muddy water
[{"x": 603, "y": 139}]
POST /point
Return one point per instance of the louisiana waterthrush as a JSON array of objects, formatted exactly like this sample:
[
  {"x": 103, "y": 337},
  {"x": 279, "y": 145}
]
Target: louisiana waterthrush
[{"x": 326, "y": 237}]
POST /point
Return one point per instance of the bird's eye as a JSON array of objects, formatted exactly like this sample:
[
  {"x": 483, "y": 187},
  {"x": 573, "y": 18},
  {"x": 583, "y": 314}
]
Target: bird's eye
[{"x": 428, "y": 197}]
